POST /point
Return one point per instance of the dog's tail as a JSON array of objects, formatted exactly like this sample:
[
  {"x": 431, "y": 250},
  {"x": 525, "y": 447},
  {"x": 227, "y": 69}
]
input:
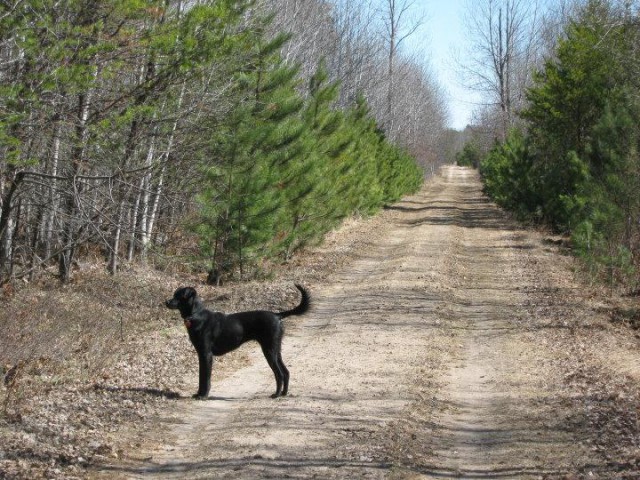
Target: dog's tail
[{"x": 300, "y": 309}]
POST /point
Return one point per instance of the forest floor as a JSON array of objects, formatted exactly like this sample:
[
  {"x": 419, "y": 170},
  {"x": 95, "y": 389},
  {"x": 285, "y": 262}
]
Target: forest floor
[{"x": 444, "y": 340}]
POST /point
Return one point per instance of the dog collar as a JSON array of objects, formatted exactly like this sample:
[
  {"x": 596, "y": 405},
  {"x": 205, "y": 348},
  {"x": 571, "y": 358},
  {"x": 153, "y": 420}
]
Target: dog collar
[{"x": 187, "y": 322}]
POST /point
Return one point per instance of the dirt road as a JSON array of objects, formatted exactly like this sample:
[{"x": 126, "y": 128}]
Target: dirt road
[{"x": 452, "y": 346}]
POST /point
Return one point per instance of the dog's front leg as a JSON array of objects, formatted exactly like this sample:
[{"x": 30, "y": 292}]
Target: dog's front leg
[{"x": 205, "y": 360}]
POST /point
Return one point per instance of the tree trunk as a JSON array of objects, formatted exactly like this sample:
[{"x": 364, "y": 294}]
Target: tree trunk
[
  {"x": 70, "y": 210},
  {"x": 53, "y": 196},
  {"x": 7, "y": 225}
]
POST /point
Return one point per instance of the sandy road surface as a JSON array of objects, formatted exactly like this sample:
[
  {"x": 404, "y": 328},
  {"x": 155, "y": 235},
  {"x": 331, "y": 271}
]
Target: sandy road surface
[{"x": 425, "y": 357}]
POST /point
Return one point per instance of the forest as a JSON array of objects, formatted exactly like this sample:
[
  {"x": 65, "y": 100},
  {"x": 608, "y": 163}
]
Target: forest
[
  {"x": 209, "y": 135},
  {"x": 219, "y": 136},
  {"x": 559, "y": 142}
]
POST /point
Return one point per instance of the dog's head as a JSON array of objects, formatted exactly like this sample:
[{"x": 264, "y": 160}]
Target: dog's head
[{"x": 184, "y": 299}]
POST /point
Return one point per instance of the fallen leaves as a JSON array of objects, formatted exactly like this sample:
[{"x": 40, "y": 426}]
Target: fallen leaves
[{"x": 87, "y": 367}]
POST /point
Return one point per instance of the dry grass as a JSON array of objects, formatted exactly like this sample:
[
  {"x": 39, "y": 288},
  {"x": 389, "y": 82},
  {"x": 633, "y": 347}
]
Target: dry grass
[
  {"x": 86, "y": 362},
  {"x": 79, "y": 364}
]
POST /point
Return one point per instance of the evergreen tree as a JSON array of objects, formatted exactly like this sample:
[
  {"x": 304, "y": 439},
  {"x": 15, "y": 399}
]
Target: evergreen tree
[
  {"x": 566, "y": 102},
  {"x": 242, "y": 206},
  {"x": 608, "y": 232},
  {"x": 578, "y": 169},
  {"x": 313, "y": 205},
  {"x": 366, "y": 180},
  {"x": 281, "y": 170}
]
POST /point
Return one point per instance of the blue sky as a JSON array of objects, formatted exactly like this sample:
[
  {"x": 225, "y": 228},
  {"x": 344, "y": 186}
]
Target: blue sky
[{"x": 437, "y": 41}]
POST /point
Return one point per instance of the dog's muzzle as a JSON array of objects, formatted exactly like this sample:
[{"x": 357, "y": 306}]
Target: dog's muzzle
[{"x": 171, "y": 304}]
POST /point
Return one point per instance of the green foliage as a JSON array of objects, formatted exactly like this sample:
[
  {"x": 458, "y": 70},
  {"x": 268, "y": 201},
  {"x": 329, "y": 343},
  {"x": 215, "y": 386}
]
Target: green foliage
[
  {"x": 241, "y": 206},
  {"x": 115, "y": 102},
  {"x": 508, "y": 176},
  {"x": 578, "y": 169},
  {"x": 607, "y": 235},
  {"x": 312, "y": 202},
  {"x": 569, "y": 94},
  {"x": 284, "y": 170},
  {"x": 470, "y": 156}
]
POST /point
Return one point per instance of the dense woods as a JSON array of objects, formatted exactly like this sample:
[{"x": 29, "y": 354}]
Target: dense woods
[
  {"x": 570, "y": 158},
  {"x": 214, "y": 134}
]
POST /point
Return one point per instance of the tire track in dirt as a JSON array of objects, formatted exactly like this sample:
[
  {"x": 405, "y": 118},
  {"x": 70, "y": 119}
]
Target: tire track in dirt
[
  {"x": 496, "y": 421},
  {"x": 412, "y": 363}
]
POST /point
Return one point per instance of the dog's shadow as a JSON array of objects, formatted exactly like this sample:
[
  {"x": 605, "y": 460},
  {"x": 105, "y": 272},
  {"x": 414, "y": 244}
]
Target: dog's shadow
[
  {"x": 216, "y": 399},
  {"x": 155, "y": 392},
  {"x": 163, "y": 393}
]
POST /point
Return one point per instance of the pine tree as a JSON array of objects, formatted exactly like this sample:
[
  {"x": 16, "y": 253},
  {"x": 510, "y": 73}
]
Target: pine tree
[
  {"x": 579, "y": 168},
  {"x": 566, "y": 102},
  {"x": 282, "y": 171},
  {"x": 242, "y": 208},
  {"x": 610, "y": 219},
  {"x": 366, "y": 179},
  {"x": 313, "y": 203}
]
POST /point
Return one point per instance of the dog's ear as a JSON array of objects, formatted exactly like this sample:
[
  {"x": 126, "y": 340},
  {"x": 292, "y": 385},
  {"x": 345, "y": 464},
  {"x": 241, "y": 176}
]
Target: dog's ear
[{"x": 188, "y": 293}]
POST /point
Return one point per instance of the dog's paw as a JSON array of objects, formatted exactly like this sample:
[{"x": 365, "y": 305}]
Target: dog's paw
[{"x": 198, "y": 396}]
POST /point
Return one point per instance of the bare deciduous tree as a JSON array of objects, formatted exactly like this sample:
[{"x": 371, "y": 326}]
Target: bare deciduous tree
[
  {"x": 504, "y": 46},
  {"x": 398, "y": 26},
  {"x": 361, "y": 42}
]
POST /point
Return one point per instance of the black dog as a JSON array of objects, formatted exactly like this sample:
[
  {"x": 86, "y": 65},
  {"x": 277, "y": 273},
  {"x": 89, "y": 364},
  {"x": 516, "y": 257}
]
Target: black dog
[{"x": 215, "y": 333}]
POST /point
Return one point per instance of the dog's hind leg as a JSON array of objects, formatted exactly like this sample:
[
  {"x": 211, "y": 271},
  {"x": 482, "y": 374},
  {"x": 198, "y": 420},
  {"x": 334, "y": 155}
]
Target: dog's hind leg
[
  {"x": 285, "y": 374},
  {"x": 272, "y": 359}
]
